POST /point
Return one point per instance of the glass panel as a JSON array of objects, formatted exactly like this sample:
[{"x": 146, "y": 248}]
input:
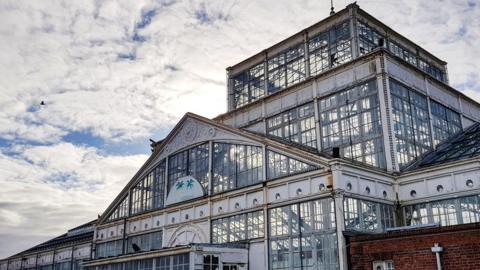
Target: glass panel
[
  {"x": 403, "y": 53},
  {"x": 286, "y": 68},
  {"x": 369, "y": 39},
  {"x": 249, "y": 85},
  {"x": 464, "y": 145},
  {"x": 210, "y": 262},
  {"x": 145, "y": 242},
  {"x": 367, "y": 216},
  {"x": 326, "y": 50},
  {"x": 109, "y": 249},
  {"x": 351, "y": 121},
  {"x": 326, "y": 251},
  {"x": 220, "y": 230},
  {"x": 255, "y": 225},
  {"x": 137, "y": 198},
  {"x": 159, "y": 186},
  {"x": 444, "y": 212},
  {"x": 445, "y": 122},
  {"x": 411, "y": 123},
  {"x": 330, "y": 48},
  {"x": 193, "y": 161},
  {"x": 302, "y": 236},
  {"x": 181, "y": 262},
  {"x": 422, "y": 64},
  {"x": 280, "y": 165},
  {"x": 146, "y": 264},
  {"x": 198, "y": 163},
  {"x": 416, "y": 214},
  {"x": 148, "y": 188},
  {"x": 236, "y": 166},
  {"x": 148, "y": 194},
  {"x": 121, "y": 211},
  {"x": 177, "y": 167},
  {"x": 238, "y": 228},
  {"x": 319, "y": 53},
  {"x": 296, "y": 125},
  {"x": 63, "y": 266},
  {"x": 280, "y": 254},
  {"x": 279, "y": 221},
  {"x": 162, "y": 263}
]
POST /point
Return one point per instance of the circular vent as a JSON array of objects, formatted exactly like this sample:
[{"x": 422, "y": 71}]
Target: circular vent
[
  {"x": 469, "y": 183},
  {"x": 349, "y": 186},
  {"x": 321, "y": 187}
]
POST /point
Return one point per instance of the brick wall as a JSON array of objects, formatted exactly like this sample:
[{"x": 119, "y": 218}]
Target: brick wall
[{"x": 411, "y": 250}]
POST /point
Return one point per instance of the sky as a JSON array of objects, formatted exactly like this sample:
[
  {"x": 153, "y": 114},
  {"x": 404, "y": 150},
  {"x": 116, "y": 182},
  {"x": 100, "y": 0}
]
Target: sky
[{"x": 113, "y": 74}]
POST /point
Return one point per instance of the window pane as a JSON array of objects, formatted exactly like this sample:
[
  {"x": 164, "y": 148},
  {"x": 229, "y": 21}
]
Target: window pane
[
  {"x": 193, "y": 161},
  {"x": 280, "y": 165},
  {"x": 147, "y": 194},
  {"x": 238, "y": 228},
  {"x": 444, "y": 212},
  {"x": 369, "y": 38},
  {"x": 248, "y": 85},
  {"x": 367, "y": 216},
  {"x": 236, "y": 166},
  {"x": 411, "y": 123},
  {"x": 146, "y": 242},
  {"x": 296, "y": 125},
  {"x": 445, "y": 122},
  {"x": 330, "y": 48},
  {"x": 303, "y": 235},
  {"x": 351, "y": 121}
]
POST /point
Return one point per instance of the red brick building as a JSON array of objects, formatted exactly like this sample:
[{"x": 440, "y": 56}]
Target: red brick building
[{"x": 412, "y": 249}]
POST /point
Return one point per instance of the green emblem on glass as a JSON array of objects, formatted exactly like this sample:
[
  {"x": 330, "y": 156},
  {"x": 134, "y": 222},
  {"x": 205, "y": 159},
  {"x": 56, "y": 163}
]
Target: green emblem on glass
[{"x": 179, "y": 185}]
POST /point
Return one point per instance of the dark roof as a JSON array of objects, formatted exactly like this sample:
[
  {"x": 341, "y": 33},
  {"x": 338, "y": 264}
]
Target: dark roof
[
  {"x": 85, "y": 234},
  {"x": 82, "y": 227},
  {"x": 463, "y": 145}
]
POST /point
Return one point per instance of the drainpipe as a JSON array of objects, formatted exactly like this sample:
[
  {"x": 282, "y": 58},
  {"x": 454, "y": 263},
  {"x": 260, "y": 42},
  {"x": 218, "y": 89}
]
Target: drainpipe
[{"x": 437, "y": 249}]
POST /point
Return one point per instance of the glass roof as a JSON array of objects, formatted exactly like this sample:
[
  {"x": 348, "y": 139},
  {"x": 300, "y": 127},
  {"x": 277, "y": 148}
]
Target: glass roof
[{"x": 464, "y": 145}]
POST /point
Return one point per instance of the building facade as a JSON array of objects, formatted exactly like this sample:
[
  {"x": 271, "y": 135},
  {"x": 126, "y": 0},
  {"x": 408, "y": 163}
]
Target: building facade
[{"x": 344, "y": 128}]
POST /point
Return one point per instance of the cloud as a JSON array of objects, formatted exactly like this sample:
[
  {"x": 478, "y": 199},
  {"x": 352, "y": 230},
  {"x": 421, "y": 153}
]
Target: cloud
[
  {"x": 49, "y": 189},
  {"x": 106, "y": 66}
]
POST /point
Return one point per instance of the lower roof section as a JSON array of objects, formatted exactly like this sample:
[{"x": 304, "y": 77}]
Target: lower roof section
[
  {"x": 79, "y": 235},
  {"x": 465, "y": 145},
  {"x": 236, "y": 248}
]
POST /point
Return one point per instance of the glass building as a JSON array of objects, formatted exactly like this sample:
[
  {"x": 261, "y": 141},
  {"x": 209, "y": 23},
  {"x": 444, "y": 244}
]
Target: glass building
[{"x": 345, "y": 128}]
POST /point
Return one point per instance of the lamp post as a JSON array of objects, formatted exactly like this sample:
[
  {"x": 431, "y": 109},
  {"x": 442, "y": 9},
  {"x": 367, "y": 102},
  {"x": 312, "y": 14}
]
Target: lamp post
[{"x": 437, "y": 249}]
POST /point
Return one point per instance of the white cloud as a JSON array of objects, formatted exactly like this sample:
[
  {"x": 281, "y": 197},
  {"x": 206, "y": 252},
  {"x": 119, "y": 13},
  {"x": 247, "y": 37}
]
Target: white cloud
[
  {"x": 68, "y": 55},
  {"x": 49, "y": 189}
]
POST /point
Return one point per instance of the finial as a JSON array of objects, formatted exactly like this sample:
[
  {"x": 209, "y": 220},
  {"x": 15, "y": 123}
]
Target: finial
[{"x": 332, "y": 9}]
